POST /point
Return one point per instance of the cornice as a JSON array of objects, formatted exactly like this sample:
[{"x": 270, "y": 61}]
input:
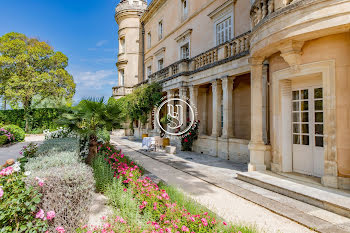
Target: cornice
[
  {"x": 154, "y": 6},
  {"x": 221, "y": 8},
  {"x": 161, "y": 50}
]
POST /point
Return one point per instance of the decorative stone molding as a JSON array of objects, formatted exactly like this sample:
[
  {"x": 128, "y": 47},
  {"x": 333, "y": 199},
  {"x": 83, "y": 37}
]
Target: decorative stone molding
[
  {"x": 222, "y": 9},
  {"x": 184, "y": 35},
  {"x": 160, "y": 51},
  {"x": 291, "y": 53}
]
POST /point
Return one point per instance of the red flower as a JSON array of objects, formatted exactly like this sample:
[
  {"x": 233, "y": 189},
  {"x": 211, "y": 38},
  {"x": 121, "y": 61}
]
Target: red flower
[{"x": 186, "y": 140}]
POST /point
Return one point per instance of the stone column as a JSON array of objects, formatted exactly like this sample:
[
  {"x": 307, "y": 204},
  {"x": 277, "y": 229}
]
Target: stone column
[
  {"x": 256, "y": 146},
  {"x": 227, "y": 88},
  {"x": 217, "y": 92},
  {"x": 194, "y": 98},
  {"x": 183, "y": 95},
  {"x": 170, "y": 94},
  {"x": 203, "y": 111}
]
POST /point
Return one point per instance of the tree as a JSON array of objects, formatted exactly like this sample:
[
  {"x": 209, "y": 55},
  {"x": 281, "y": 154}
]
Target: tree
[
  {"x": 28, "y": 68},
  {"x": 91, "y": 116},
  {"x": 141, "y": 102}
]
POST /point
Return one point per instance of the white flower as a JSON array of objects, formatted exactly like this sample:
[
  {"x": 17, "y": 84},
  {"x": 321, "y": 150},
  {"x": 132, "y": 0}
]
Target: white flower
[
  {"x": 16, "y": 167},
  {"x": 27, "y": 173}
]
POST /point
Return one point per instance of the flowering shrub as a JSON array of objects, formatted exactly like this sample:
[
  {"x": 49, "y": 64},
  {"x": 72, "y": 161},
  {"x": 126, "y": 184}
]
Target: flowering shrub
[
  {"x": 27, "y": 152},
  {"x": 16, "y": 131},
  {"x": 66, "y": 184},
  {"x": 189, "y": 137},
  {"x": 59, "y": 133},
  {"x": 155, "y": 210},
  {"x": 19, "y": 204},
  {"x": 6, "y": 135}
]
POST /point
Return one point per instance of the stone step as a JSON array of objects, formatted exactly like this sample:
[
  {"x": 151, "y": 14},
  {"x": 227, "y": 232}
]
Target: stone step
[{"x": 333, "y": 202}]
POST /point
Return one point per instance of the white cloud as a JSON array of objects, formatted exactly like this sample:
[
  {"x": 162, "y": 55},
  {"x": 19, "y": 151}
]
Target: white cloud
[
  {"x": 95, "y": 79},
  {"x": 101, "y": 43}
]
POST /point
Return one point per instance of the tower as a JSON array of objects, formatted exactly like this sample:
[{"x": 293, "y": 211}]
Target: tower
[{"x": 127, "y": 16}]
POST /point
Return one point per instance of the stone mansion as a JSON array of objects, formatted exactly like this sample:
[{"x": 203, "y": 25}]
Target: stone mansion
[{"x": 270, "y": 78}]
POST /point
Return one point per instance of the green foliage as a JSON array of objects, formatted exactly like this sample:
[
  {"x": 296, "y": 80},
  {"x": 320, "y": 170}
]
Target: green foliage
[
  {"x": 189, "y": 137},
  {"x": 15, "y": 130},
  {"x": 29, "y": 68},
  {"x": 138, "y": 104},
  {"x": 103, "y": 135},
  {"x": 38, "y": 118},
  {"x": 103, "y": 174},
  {"x": 3, "y": 139},
  {"x": 91, "y": 116},
  {"x": 18, "y": 206},
  {"x": 27, "y": 152}
]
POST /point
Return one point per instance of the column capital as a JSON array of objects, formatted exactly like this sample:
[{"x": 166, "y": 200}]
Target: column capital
[
  {"x": 256, "y": 61},
  {"x": 216, "y": 82}
]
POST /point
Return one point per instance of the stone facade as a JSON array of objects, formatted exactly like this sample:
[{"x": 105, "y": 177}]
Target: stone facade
[{"x": 269, "y": 79}]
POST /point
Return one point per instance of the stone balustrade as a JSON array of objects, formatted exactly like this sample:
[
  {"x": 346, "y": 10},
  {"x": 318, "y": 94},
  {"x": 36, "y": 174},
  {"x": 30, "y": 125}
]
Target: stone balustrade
[
  {"x": 229, "y": 50},
  {"x": 121, "y": 91},
  {"x": 206, "y": 58},
  {"x": 263, "y": 8},
  {"x": 237, "y": 46}
]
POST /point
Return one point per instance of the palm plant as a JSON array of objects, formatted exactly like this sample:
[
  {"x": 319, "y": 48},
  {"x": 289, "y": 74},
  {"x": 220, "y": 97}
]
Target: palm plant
[{"x": 91, "y": 116}]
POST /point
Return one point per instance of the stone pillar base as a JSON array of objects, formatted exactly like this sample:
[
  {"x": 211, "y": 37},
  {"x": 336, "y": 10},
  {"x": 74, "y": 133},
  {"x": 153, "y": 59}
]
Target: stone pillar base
[
  {"x": 258, "y": 152},
  {"x": 256, "y": 167},
  {"x": 330, "y": 181}
]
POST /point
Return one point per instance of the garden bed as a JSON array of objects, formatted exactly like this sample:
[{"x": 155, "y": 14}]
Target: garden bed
[{"x": 140, "y": 205}]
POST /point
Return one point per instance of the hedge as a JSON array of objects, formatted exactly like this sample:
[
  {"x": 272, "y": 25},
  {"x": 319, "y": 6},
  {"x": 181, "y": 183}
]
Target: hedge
[{"x": 41, "y": 118}]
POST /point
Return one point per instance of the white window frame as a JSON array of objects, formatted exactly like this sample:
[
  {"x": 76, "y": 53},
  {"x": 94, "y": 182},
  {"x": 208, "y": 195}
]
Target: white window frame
[
  {"x": 121, "y": 77},
  {"x": 148, "y": 71},
  {"x": 181, "y": 50},
  {"x": 160, "y": 65},
  {"x": 184, "y": 11},
  {"x": 122, "y": 45},
  {"x": 149, "y": 40},
  {"x": 230, "y": 34},
  {"x": 160, "y": 29}
]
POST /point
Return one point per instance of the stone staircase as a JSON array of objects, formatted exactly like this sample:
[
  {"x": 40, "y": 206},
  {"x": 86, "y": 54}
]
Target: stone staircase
[{"x": 331, "y": 200}]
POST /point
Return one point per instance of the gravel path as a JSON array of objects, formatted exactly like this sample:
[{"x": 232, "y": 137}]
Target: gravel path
[{"x": 12, "y": 151}]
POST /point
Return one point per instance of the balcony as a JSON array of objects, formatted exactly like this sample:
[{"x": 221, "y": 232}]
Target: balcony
[
  {"x": 275, "y": 22},
  {"x": 121, "y": 91},
  {"x": 228, "y": 51}
]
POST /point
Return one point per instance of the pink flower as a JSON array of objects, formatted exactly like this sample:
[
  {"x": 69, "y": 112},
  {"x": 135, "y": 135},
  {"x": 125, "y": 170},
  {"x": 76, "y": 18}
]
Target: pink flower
[
  {"x": 60, "y": 229},
  {"x": 50, "y": 215},
  {"x": 1, "y": 192},
  {"x": 205, "y": 222},
  {"x": 224, "y": 223},
  {"x": 40, "y": 214},
  {"x": 185, "y": 229}
]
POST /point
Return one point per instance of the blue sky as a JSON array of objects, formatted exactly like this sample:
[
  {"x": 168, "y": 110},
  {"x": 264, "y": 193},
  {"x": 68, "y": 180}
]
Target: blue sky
[{"x": 83, "y": 30}]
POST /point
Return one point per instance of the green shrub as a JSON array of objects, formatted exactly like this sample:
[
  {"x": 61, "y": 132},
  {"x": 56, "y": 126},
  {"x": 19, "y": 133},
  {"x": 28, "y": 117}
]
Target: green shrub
[
  {"x": 18, "y": 206},
  {"x": 103, "y": 136},
  {"x": 103, "y": 173},
  {"x": 40, "y": 118},
  {"x": 16, "y": 131},
  {"x": 3, "y": 140}
]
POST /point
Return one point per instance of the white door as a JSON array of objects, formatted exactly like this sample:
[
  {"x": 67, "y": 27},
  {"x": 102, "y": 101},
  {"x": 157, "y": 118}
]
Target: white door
[{"x": 307, "y": 129}]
